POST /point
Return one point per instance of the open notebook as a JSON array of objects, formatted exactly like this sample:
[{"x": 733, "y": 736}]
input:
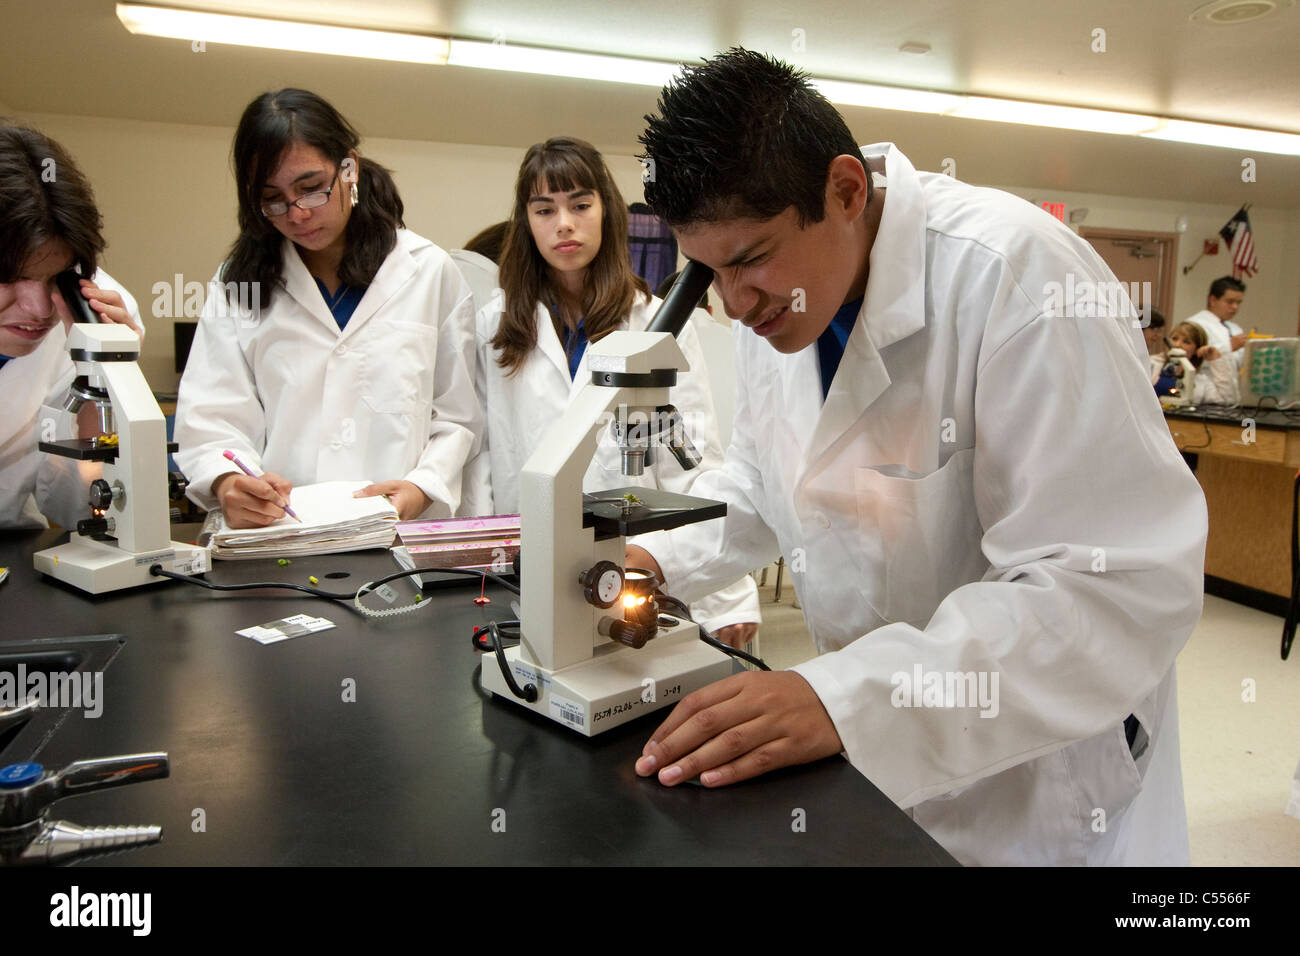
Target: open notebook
[{"x": 332, "y": 521}]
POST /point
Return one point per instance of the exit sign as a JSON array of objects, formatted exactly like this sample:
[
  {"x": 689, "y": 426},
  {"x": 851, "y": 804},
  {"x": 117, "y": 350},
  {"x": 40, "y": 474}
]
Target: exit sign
[{"x": 1057, "y": 209}]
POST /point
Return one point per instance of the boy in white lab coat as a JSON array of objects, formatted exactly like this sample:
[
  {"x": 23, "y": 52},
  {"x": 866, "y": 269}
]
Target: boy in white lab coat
[
  {"x": 996, "y": 610},
  {"x": 48, "y": 223}
]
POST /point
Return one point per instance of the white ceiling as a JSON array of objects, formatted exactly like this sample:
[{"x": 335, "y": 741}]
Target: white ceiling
[{"x": 76, "y": 58}]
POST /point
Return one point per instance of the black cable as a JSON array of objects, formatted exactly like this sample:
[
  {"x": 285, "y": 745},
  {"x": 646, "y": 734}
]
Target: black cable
[
  {"x": 158, "y": 571},
  {"x": 733, "y": 651},
  {"x": 482, "y": 640},
  {"x": 707, "y": 638},
  {"x": 529, "y": 692}
]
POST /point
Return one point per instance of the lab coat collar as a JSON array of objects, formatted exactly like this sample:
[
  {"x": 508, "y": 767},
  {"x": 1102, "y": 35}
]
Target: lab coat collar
[
  {"x": 893, "y": 307},
  {"x": 552, "y": 348},
  {"x": 397, "y": 269}
]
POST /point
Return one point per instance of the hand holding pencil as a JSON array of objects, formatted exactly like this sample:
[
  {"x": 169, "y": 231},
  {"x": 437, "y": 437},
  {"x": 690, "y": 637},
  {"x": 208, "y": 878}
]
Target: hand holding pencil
[{"x": 252, "y": 501}]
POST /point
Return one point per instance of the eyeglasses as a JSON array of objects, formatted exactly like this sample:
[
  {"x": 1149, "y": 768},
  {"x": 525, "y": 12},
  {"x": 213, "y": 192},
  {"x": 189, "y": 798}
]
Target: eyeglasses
[{"x": 310, "y": 201}]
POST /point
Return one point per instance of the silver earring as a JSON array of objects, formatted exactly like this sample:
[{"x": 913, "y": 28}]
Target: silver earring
[{"x": 354, "y": 194}]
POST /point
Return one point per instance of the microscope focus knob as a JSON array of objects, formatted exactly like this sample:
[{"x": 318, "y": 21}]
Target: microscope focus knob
[
  {"x": 101, "y": 495},
  {"x": 602, "y": 584}
]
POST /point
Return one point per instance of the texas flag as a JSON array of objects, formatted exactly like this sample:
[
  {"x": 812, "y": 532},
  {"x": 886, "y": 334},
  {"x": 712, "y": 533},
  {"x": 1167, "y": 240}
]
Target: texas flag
[{"x": 1236, "y": 233}]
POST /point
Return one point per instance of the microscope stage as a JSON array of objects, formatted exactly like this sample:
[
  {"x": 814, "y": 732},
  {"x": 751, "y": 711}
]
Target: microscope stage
[
  {"x": 653, "y": 510},
  {"x": 86, "y": 449}
]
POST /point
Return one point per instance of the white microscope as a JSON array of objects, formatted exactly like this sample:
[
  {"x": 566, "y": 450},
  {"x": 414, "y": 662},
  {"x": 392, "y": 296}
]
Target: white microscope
[
  {"x": 1185, "y": 392},
  {"x": 594, "y": 650},
  {"x": 129, "y": 527}
]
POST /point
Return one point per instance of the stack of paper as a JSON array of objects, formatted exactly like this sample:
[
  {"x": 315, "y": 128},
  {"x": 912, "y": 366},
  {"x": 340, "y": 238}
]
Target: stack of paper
[
  {"x": 490, "y": 541},
  {"x": 332, "y": 521}
]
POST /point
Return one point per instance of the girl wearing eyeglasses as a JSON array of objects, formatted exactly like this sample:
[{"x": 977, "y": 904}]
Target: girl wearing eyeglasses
[
  {"x": 334, "y": 344},
  {"x": 566, "y": 280}
]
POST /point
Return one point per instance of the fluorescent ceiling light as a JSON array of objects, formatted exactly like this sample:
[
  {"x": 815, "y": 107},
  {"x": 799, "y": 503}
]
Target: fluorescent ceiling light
[
  {"x": 1058, "y": 117},
  {"x": 1227, "y": 137},
  {"x": 412, "y": 48},
  {"x": 582, "y": 66},
  {"x": 281, "y": 34},
  {"x": 887, "y": 97}
]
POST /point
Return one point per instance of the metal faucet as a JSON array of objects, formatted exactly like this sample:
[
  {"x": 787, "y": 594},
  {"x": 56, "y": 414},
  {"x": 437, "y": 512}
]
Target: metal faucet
[{"x": 27, "y": 790}]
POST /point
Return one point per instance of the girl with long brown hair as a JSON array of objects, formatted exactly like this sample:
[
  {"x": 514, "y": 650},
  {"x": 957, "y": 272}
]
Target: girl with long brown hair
[{"x": 566, "y": 280}]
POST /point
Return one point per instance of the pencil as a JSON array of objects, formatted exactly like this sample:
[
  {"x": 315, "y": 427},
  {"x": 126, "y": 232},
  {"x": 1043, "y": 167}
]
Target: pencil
[{"x": 245, "y": 469}]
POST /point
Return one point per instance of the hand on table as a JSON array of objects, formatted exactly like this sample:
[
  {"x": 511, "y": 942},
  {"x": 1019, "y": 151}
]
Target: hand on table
[
  {"x": 407, "y": 497},
  {"x": 740, "y": 727},
  {"x": 250, "y": 502}
]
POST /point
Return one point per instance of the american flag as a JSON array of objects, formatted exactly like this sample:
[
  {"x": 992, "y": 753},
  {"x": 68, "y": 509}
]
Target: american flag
[{"x": 1236, "y": 233}]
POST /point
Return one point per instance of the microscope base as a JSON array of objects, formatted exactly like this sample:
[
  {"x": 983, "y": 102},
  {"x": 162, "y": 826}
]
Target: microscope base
[
  {"x": 97, "y": 567},
  {"x": 617, "y": 683}
]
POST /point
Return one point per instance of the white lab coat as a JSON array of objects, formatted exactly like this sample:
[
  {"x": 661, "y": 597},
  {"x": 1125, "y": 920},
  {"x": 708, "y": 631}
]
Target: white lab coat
[
  {"x": 35, "y": 486},
  {"x": 1219, "y": 333},
  {"x": 520, "y": 408},
  {"x": 967, "y": 500},
  {"x": 389, "y": 397}
]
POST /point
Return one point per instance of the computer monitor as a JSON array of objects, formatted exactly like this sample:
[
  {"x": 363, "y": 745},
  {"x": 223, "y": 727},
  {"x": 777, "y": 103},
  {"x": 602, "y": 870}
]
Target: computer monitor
[{"x": 182, "y": 339}]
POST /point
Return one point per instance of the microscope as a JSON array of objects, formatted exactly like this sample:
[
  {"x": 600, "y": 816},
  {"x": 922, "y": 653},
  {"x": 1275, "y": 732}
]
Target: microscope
[
  {"x": 594, "y": 649},
  {"x": 1184, "y": 393},
  {"x": 129, "y": 525}
]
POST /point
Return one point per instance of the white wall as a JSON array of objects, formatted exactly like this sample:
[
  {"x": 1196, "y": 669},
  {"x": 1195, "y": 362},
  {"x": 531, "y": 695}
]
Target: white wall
[
  {"x": 168, "y": 201},
  {"x": 1272, "y": 297}
]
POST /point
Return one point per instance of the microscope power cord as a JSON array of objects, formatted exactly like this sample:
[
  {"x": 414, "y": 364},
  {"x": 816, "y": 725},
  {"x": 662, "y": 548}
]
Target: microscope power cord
[
  {"x": 354, "y": 599},
  {"x": 529, "y": 691},
  {"x": 680, "y": 610}
]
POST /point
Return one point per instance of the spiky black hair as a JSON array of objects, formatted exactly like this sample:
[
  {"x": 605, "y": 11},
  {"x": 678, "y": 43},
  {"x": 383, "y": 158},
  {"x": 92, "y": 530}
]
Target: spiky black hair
[{"x": 741, "y": 135}]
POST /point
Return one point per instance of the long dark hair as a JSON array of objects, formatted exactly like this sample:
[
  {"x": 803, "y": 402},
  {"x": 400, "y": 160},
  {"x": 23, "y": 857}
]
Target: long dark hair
[
  {"x": 43, "y": 196},
  {"x": 271, "y": 124},
  {"x": 563, "y": 164}
]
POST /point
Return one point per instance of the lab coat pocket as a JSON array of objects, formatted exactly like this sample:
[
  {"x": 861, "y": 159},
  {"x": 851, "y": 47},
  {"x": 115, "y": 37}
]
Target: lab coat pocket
[
  {"x": 398, "y": 372},
  {"x": 927, "y": 534}
]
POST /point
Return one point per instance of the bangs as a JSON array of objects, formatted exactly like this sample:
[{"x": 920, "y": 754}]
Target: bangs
[{"x": 549, "y": 169}]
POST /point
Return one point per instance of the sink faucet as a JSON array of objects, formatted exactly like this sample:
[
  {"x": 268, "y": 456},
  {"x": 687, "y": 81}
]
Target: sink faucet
[{"x": 27, "y": 790}]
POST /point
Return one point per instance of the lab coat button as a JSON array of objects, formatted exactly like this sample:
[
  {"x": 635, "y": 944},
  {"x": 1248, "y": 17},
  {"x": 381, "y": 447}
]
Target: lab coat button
[
  {"x": 335, "y": 445},
  {"x": 342, "y": 350}
]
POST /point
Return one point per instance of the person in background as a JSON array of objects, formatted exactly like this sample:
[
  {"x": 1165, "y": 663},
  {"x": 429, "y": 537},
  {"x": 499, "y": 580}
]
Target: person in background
[
  {"x": 1154, "y": 336},
  {"x": 566, "y": 281},
  {"x": 1221, "y": 305},
  {"x": 477, "y": 262},
  {"x": 1216, "y": 373},
  {"x": 334, "y": 343},
  {"x": 48, "y": 224}
]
